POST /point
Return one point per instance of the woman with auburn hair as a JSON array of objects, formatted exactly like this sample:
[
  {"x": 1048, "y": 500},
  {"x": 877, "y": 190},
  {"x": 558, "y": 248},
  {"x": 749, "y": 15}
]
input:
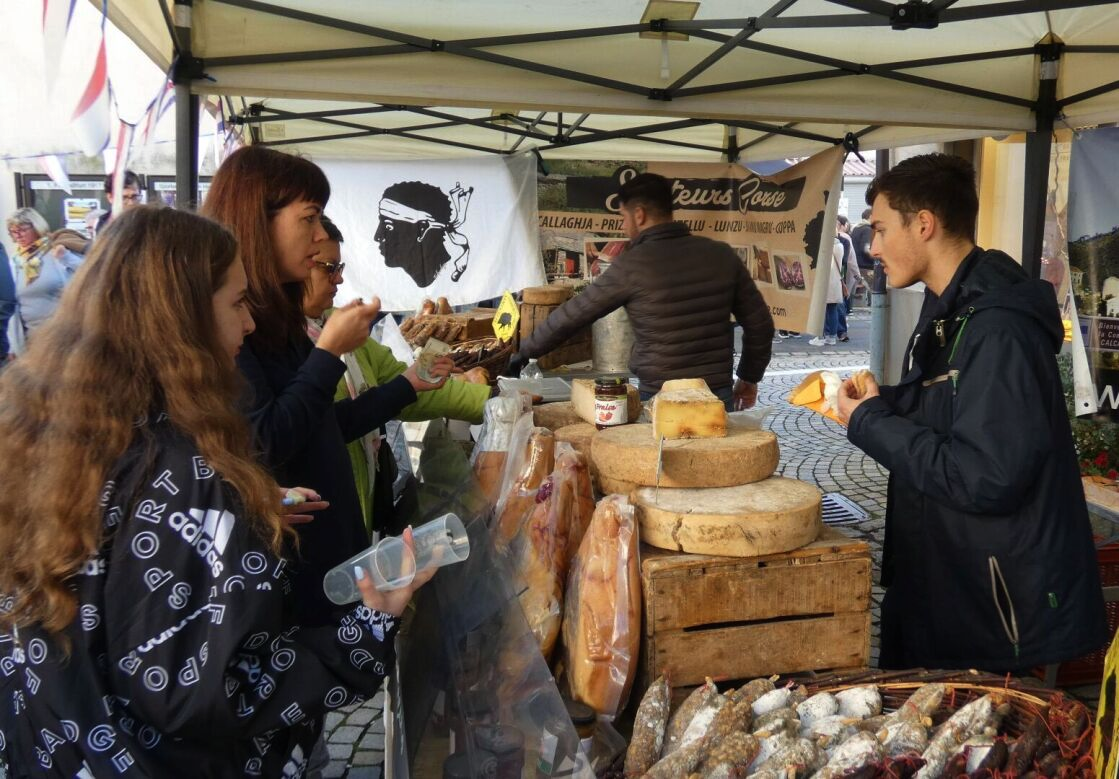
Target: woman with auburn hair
[
  {"x": 272, "y": 202},
  {"x": 142, "y": 622}
]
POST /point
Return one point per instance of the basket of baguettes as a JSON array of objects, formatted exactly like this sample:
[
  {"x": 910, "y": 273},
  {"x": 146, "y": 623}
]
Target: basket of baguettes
[{"x": 868, "y": 725}]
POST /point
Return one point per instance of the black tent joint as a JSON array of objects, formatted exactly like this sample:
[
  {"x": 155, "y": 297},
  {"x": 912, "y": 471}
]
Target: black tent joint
[
  {"x": 185, "y": 69},
  {"x": 851, "y": 144},
  {"x": 659, "y": 94},
  {"x": 914, "y": 14}
]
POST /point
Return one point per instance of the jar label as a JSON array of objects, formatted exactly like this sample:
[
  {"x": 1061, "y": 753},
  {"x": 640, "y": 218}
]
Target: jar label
[{"x": 610, "y": 410}]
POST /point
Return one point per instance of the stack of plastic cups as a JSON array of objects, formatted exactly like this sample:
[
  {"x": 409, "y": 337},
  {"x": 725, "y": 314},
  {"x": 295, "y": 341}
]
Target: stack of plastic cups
[{"x": 390, "y": 564}]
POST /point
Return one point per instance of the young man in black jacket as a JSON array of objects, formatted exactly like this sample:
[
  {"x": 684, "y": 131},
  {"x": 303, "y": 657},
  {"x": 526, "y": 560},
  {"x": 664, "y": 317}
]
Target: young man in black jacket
[{"x": 988, "y": 559}]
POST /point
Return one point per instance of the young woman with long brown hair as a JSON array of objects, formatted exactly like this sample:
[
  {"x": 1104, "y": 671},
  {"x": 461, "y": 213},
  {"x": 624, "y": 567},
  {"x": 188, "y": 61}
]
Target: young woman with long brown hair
[
  {"x": 272, "y": 202},
  {"x": 142, "y": 617}
]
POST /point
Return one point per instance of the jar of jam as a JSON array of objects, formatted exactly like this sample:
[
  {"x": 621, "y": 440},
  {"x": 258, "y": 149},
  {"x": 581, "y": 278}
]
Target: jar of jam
[
  {"x": 507, "y": 745},
  {"x": 584, "y": 719},
  {"x": 611, "y": 406}
]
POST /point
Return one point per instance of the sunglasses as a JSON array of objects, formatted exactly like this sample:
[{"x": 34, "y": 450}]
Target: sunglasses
[{"x": 331, "y": 268}]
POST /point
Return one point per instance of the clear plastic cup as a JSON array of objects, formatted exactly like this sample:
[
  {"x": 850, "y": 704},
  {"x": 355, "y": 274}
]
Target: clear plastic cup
[
  {"x": 390, "y": 564},
  {"x": 440, "y": 542}
]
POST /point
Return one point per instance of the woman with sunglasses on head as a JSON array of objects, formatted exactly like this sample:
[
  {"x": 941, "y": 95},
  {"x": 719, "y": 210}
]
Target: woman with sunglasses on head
[
  {"x": 372, "y": 365},
  {"x": 145, "y": 624},
  {"x": 272, "y": 202}
]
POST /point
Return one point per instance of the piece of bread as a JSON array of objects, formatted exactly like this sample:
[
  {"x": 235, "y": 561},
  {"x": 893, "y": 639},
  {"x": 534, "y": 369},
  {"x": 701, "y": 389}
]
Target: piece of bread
[{"x": 858, "y": 378}]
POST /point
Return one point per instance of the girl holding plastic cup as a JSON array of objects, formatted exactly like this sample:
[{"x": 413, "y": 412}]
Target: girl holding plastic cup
[
  {"x": 273, "y": 203},
  {"x": 144, "y": 599}
]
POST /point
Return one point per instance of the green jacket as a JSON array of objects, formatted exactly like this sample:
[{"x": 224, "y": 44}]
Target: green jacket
[{"x": 455, "y": 400}]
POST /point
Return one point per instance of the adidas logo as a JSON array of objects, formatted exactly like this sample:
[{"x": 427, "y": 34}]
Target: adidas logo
[{"x": 208, "y": 531}]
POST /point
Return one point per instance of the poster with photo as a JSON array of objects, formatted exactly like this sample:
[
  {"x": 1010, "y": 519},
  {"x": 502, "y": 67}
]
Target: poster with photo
[{"x": 780, "y": 225}]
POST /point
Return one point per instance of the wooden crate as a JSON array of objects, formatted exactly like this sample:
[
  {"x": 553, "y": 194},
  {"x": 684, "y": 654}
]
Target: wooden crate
[
  {"x": 745, "y": 617},
  {"x": 575, "y": 349}
]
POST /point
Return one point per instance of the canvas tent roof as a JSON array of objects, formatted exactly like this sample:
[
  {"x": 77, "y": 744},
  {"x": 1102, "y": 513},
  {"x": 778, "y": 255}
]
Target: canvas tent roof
[{"x": 577, "y": 80}]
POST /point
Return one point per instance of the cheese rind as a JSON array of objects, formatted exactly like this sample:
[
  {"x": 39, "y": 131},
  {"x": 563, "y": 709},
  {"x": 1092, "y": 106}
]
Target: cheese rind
[
  {"x": 582, "y": 398},
  {"x": 688, "y": 413},
  {"x": 767, "y": 517},
  {"x": 671, "y": 385},
  {"x": 628, "y": 455}
]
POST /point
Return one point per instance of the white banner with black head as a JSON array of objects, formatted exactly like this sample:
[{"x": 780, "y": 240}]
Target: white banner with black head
[{"x": 460, "y": 229}]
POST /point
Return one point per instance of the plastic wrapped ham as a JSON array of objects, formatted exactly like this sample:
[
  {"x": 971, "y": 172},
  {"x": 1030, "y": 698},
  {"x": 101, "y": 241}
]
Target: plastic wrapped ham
[
  {"x": 602, "y": 618},
  {"x": 531, "y": 459}
]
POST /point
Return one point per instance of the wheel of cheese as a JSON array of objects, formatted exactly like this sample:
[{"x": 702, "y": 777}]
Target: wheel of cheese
[
  {"x": 549, "y": 295},
  {"x": 767, "y": 517},
  {"x": 628, "y": 453},
  {"x": 555, "y": 415}
]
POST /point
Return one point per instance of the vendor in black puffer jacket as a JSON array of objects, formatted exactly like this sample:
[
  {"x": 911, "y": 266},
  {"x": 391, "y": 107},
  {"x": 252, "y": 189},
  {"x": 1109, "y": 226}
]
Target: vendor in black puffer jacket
[
  {"x": 988, "y": 561},
  {"x": 680, "y": 291}
]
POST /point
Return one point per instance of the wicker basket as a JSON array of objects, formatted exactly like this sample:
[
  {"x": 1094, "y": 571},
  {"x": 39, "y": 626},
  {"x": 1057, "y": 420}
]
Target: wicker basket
[
  {"x": 963, "y": 686},
  {"x": 1026, "y": 703},
  {"x": 493, "y": 355}
]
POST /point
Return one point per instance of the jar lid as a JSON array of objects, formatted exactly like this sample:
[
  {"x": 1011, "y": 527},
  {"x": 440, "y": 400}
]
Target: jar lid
[
  {"x": 460, "y": 766},
  {"x": 580, "y": 713},
  {"x": 499, "y": 739}
]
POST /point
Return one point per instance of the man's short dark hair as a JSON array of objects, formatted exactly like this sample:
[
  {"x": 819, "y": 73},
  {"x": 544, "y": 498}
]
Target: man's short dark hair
[
  {"x": 130, "y": 180},
  {"x": 650, "y": 191},
  {"x": 866, "y": 213},
  {"x": 332, "y": 231},
  {"x": 843, "y": 220},
  {"x": 941, "y": 183}
]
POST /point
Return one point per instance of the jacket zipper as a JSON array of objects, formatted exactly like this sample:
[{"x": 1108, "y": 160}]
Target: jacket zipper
[{"x": 939, "y": 323}]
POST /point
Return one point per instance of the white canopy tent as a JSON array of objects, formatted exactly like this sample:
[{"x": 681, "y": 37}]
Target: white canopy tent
[{"x": 744, "y": 79}]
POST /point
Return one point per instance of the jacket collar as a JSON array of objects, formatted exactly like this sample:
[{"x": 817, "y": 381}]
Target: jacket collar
[{"x": 661, "y": 231}]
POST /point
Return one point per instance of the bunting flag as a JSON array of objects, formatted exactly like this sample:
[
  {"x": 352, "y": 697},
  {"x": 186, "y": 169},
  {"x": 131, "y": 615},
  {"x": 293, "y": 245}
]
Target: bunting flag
[
  {"x": 77, "y": 74},
  {"x": 52, "y": 166},
  {"x": 125, "y": 134}
]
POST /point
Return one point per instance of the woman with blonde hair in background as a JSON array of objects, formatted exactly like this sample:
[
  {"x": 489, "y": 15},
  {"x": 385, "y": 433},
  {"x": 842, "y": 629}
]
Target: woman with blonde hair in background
[
  {"x": 145, "y": 627},
  {"x": 42, "y": 268},
  {"x": 272, "y": 202}
]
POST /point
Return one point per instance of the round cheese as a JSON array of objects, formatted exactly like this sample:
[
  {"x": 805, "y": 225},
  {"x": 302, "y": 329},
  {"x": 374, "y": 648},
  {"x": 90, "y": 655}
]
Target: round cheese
[
  {"x": 555, "y": 415},
  {"x": 628, "y": 453},
  {"x": 767, "y": 517}
]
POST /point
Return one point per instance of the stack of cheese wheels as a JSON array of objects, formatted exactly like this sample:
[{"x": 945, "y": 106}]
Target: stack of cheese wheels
[{"x": 717, "y": 493}]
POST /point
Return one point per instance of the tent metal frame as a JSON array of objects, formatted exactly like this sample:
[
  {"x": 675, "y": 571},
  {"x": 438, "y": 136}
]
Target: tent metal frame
[{"x": 914, "y": 14}]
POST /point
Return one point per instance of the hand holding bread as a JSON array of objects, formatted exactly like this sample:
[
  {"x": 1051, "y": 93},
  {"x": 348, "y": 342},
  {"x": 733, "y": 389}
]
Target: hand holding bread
[{"x": 859, "y": 387}]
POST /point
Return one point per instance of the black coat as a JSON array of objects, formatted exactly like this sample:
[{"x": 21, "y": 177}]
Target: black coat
[
  {"x": 303, "y": 433},
  {"x": 989, "y": 560},
  {"x": 680, "y": 291}
]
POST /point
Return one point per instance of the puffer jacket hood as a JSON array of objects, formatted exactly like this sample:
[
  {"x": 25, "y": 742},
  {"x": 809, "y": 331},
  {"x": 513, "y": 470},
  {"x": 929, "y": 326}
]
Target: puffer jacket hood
[{"x": 988, "y": 279}]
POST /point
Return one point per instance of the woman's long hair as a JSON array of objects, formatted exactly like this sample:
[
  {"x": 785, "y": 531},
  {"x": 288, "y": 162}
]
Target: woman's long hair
[
  {"x": 134, "y": 333},
  {"x": 249, "y": 188}
]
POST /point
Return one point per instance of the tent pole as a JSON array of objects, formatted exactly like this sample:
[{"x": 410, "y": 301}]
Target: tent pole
[
  {"x": 1038, "y": 146},
  {"x": 183, "y": 72}
]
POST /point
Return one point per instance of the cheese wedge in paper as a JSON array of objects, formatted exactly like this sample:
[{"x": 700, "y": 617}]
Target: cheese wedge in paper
[{"x": 818, "y": 392}]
